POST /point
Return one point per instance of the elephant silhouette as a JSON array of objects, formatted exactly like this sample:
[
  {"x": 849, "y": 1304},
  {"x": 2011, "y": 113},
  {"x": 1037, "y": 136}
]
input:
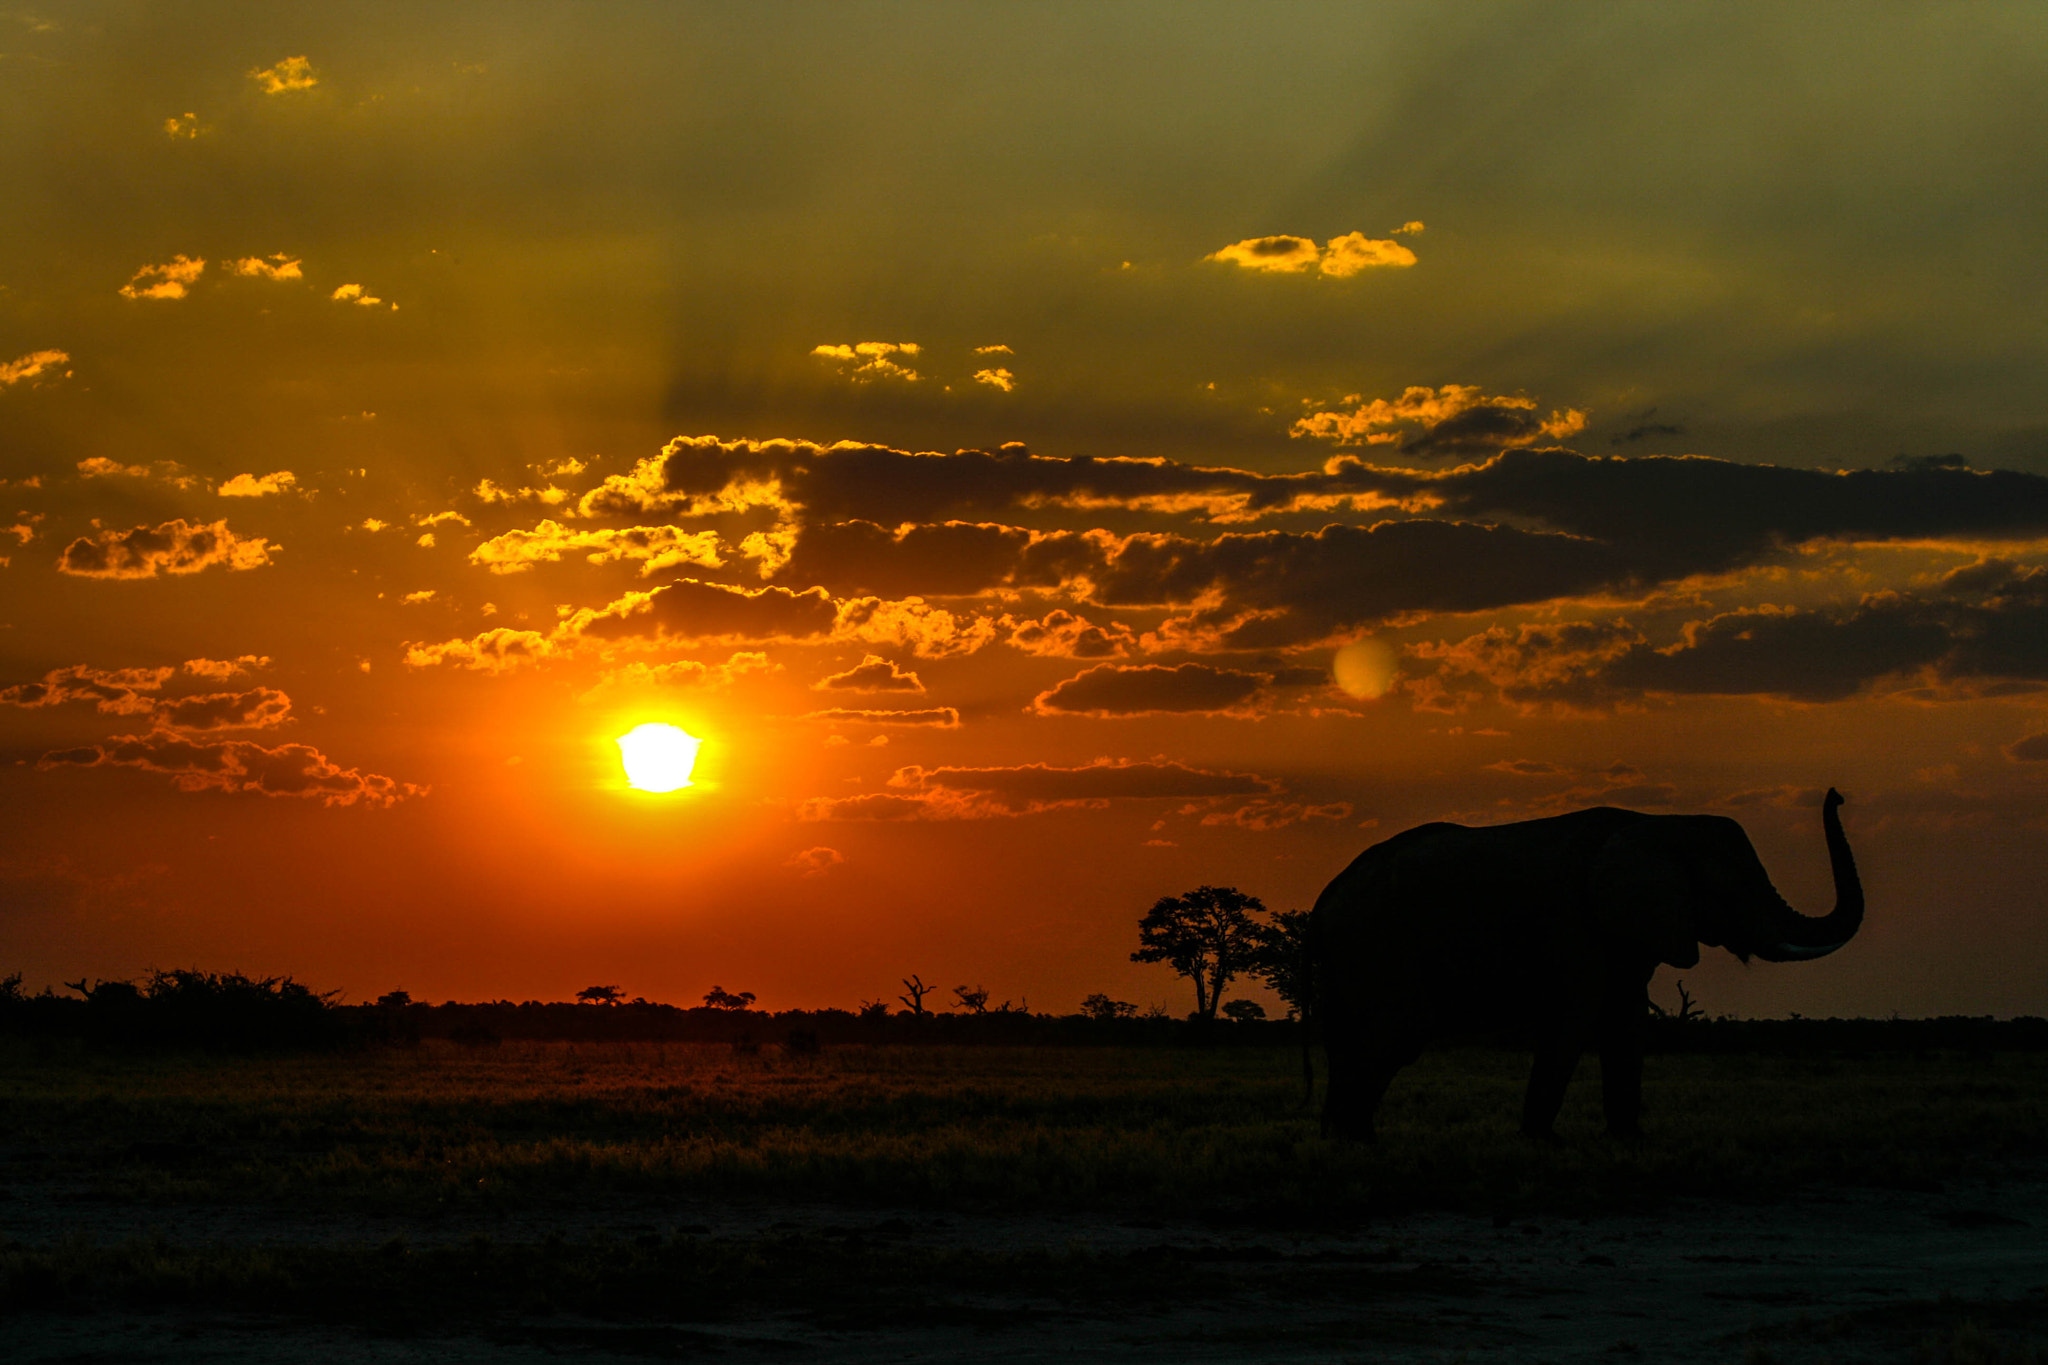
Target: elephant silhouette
[{"x": 1556, "y": 924}]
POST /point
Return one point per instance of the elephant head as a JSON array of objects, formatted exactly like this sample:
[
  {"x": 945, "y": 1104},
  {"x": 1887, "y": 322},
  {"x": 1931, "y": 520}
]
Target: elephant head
[{"x": 1668, "y": 883}]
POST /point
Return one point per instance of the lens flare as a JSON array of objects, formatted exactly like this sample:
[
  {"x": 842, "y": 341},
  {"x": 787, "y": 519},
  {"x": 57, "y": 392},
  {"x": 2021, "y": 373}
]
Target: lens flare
[
  {"x": 658, "y": 757},
  {"x": 1365, "y": 668}
]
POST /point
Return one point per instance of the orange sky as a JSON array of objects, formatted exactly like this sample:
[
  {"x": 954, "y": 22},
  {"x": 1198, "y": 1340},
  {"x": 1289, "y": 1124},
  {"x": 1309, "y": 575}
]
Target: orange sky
[{"x": 998, "y": 436}]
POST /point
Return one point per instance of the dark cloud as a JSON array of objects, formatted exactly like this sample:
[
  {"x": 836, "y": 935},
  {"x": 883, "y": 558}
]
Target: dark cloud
[
  {"x": 1526, "y": 767},
  {"x": 1270, "y": 815},
  {"x": 2032, "y": 749},
  {"x": 944, "y": 717},
  {"x": 1104, "y": 780},
  {"x": 261, "y": 707},
  {"x": 1986, "y": 622},
  {"x": 693, "y": 610},
  {"x": 113, "y": 691},
  {"x": 294, "y": 770},
  {"x": 175, "y": 547},
  {"x": 871, "y": 806},
  {"x": 1063, "y": 635},
  {"x": 1138, "y": 689},
  {"x": 872, "y": 674}
]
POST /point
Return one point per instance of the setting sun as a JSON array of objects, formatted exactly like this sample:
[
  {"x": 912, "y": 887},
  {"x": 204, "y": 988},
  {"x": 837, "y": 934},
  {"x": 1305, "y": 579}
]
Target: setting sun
[{"x": 658, "y": 757}]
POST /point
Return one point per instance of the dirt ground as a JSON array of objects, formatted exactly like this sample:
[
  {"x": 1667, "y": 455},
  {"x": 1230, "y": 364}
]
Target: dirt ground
[{"x": 1842, "y": 1276}]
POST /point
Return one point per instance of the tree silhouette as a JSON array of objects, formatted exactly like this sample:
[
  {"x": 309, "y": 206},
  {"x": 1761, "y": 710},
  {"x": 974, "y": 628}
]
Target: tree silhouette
[
  {"x": 1208, "y": 936},
  {"x": 972, "y": 999},
  {"x": 600, "y": 995},
  {"x": 914, "y": 992},
  {"x": 1244, "y": 1011},
  {"x": 1100, "y": 1006},
  {"x": 1283, "y": 962},
  {"x": 719, "y": 998}
]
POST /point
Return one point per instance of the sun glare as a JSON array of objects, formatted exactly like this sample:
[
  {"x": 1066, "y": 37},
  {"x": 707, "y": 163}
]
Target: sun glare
[{"x": 657, "y": 757}]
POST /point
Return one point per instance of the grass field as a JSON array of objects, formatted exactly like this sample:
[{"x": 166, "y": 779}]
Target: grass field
[
  {"x": 438, "y": 1137},
  {"x": 1163, "y": 1130}
]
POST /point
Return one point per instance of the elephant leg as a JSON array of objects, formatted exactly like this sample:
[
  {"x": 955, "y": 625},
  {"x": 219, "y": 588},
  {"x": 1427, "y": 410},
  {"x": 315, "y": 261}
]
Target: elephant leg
[
  {"x": 1358, "y": 1081},
  {"x": 1556, "y": 1059},
  {"x": 1621, "y": 1058}
]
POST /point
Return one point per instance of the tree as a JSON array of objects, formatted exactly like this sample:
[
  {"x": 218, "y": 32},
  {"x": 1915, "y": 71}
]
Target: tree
[
  {"x": 1244, "y": 1011},
  {"x": 719, "y": 998},
  {"x": 1283, "y": 962},
  {"x": 600, "y": 995},
  {"x": 914, "y": 992},
  {"x": 1208, "y": 936},
  {"x": 1100, "y": 1006},
  {"x": 974, "y": 1000}
]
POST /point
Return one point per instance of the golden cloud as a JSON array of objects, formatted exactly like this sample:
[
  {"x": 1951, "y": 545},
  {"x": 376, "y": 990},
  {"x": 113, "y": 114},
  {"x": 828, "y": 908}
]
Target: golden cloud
[
  {"x": 166, "y": 281},
  {"x": 997, "y": 378},
  {"x": 490, "y": 492},
  {"x": 293, "y": 73},
  {"x": 686, "y": 673},
  {"x": 184, "y": 125},
  {"x": 815, "y": 862},
  {"x": 263, "y": 486},
  {"x": 276, "y": 267},
  {"x": 941, "y": 717},
  {"x": 356, "y": 294},
  {"x": 1341, "y": 257},
  {"x": 1455, "y": 419},
  {"x": 30, "y": 365},
  {"x": 238, "y": 765},
  {"x": 499, "y": 650},
  {"x": 226, "y": 668},
  {"x": 175, "y": 547},
  {"x": 866, "y": 361},
  {"x": 872, "y": 674},
  {"x": 651, "y": 547}
]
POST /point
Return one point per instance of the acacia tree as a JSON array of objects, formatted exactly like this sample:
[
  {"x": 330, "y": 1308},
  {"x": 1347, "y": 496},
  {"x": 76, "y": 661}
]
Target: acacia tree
[
  {"x": 1283, "y": 962},
  {"x": 1207, "y": 935}
]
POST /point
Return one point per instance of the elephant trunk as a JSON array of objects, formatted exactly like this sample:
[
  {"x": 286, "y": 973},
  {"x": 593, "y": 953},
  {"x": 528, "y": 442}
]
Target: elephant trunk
[{"x": 1799, "y": 937}]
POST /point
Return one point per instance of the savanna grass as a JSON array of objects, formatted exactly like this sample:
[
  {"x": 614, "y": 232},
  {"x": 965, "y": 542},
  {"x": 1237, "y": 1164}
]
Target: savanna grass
[{"x": 1167, "y": 1132}]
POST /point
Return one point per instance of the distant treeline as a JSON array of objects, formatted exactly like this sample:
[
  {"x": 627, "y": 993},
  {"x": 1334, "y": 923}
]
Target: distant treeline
[{"x": 230, "y": 1012}]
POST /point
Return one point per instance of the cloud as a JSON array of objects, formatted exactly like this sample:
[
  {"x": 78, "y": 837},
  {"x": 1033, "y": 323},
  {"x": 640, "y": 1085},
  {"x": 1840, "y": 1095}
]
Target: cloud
[
  {"x": 2032, "y": 749},
  {"x": 356, "y": 294},
  {"x": 1263, "y": 816},
  {"x": 413, "y": 599},
  {"x": 114, "y": 692},
  {"x": 996, "y": 378},
  {"x": 1145, "y": 689},
  {"x": 911, "y": 623},
  {"x": 1354, "y": 251},
  {"x": 256, "y": 709},
  {"x": 276, "y": 267},
  {"x": 219, "y": 669},
  {"x": 952, "y": 793},
  {"x": 1976, "y": 628},
  {"x": 259, "y": 486},
  {"x": 1105, "y": 779},
  {"x": 441, "y": 518},
  {"x": 1525, "y": 767},
  {"x": 31, "y": 365},
  {"x": 866, "y": 361},
  {"x": 651, "y": 547},
  {"x": 175, "y": 547},
  {"x": 184, "y": 125},
  {"x": 816, "y": 862},
  {"x": 1063, "y": 635},
  {"x": 997, "y": 349},
  {"x": 689, "y": 609},
  {"x": 166, "y": 281},
  {"x": 1283, "y": 253},
  {"x": 872, "y": 674},
  {"x": 871, "y": 806},
  {"x": 291, "y": 74},
  {"x": 491, "y": 493},
  {"x": 940, "y": 717},
  {"x": 169, "y": 471},
  {"x": 499, "y": 650},
  {"x": 235, "y": 765},
  {"x": 1452, "y": 420},
  {"x": 685, "y": 673},
  {"x": 1342, "y": 257},
  {"x": 1408, "y": 229}
]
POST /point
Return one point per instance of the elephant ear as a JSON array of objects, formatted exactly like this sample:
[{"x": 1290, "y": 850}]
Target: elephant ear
[{"x": 1643, "y": 899}]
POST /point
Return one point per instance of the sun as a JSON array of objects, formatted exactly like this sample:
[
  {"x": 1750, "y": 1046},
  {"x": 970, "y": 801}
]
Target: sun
[{"x": 658, "y": 757}]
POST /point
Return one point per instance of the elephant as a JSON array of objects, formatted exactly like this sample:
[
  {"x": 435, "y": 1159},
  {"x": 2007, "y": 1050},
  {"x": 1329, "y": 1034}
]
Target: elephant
[{"x": 1556, "y": 925}]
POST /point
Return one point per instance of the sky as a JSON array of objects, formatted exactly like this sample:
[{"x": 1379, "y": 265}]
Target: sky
[{"x": 1052, "y": 456}]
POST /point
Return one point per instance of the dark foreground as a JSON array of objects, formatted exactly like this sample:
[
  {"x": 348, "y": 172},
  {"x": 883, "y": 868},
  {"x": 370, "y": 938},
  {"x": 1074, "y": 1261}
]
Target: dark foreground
[{"x": 628, "y": 1201}]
